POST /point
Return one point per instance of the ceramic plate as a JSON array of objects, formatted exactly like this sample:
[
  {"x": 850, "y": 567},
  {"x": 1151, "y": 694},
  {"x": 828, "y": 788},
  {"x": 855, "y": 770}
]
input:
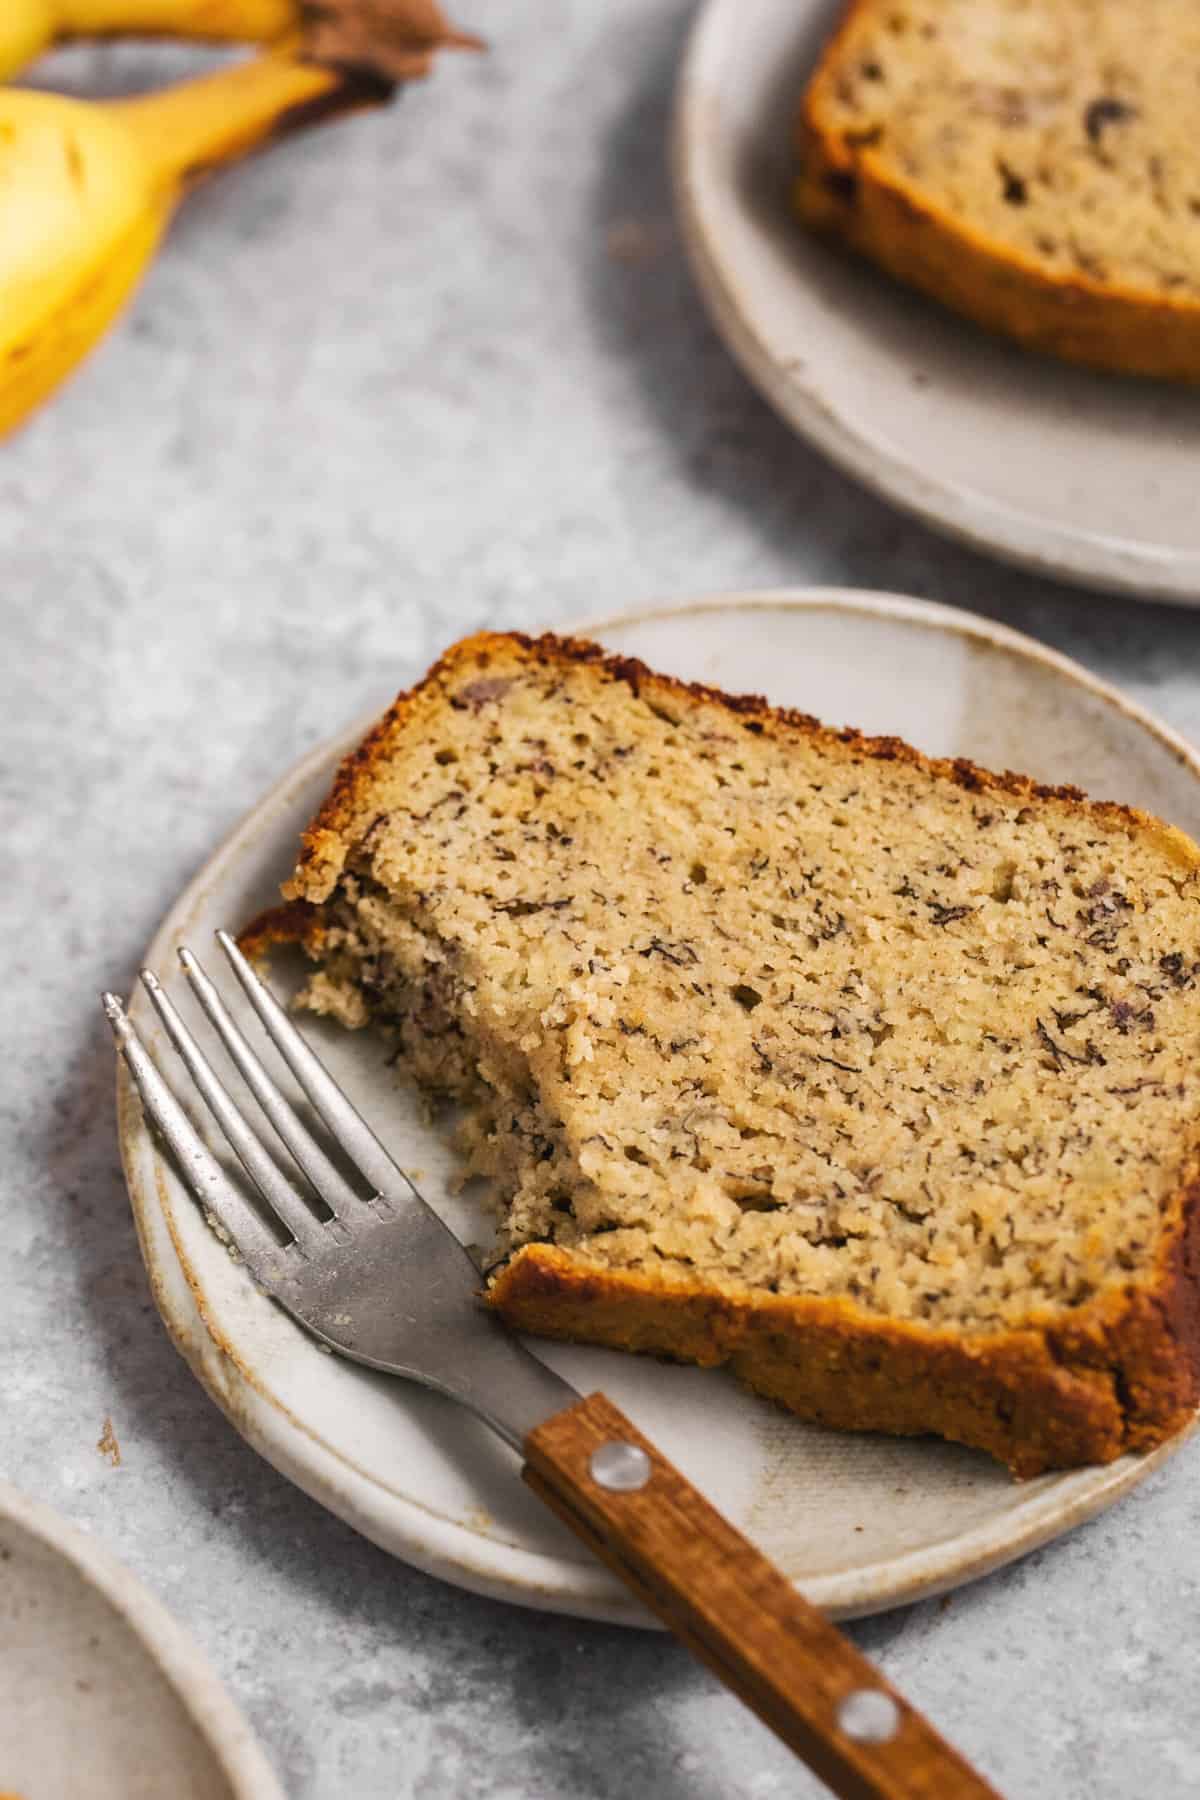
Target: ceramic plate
[
  {"x": 1089, "y": 477},
  {"x": 96, "y": 1677},
  {"x": 860, "y": 1522}
]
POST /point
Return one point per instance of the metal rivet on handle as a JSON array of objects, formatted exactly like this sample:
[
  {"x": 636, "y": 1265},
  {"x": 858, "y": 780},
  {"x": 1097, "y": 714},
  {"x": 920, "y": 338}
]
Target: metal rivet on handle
[
  {"x": 869, "y": 1716},
  {"x": 621, "y": 1467}
]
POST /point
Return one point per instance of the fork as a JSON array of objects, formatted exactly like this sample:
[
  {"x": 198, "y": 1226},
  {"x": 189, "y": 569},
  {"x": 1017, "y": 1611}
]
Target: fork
[{"x": 376, "y": 1276}]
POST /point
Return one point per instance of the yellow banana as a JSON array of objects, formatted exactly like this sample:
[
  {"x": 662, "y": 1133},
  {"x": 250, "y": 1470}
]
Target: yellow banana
[
  {"x": 28, "y": 27},
  {"x": 88, "y": 187}
]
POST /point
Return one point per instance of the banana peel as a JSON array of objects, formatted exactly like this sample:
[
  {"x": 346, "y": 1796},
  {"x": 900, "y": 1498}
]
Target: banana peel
[
  {"x": 88, "y": 187},
  {"x": 360, "y": 31},
  {"x": 28, "y": 28}
]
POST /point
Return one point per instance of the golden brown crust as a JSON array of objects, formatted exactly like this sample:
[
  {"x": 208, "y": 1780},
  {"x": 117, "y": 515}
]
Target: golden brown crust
[
  {"x": 348, "y": 803},
  {"x": 295, "y": 922},
  {"x": 849, "y": 193},
  {"x": 1121, "y": 1376}
]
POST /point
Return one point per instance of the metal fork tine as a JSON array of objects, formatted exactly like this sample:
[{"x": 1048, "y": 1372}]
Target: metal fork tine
[
  {"x": 328, "y": 1181},
  {"x": 203, "y": 1174},
  {"x": 347, "y": 1126},
  {"x": 275, "y": 1189}
]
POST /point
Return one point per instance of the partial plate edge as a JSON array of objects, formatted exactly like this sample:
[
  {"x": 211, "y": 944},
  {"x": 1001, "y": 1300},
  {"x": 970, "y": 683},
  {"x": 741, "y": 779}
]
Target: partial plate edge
[{"x": 202, "y": 1696}]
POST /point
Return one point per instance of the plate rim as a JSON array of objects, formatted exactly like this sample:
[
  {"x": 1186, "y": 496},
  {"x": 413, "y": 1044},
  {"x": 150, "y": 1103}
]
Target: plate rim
[
  {"x": 204, "y": 1698},
  {"x": 1084, "y": 558},
  {"x": 442, "y": 1547}
]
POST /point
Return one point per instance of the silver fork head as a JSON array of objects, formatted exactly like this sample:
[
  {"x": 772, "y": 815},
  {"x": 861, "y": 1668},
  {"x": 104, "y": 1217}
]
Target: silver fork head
[{"x": 373, "y": 1272}]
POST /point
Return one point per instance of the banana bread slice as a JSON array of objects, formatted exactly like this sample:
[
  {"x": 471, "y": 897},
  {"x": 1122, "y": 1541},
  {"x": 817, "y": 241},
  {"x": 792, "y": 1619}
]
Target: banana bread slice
[
  {"x": 871, "y": 1076},
  {"x": 1033, "y": 165}
]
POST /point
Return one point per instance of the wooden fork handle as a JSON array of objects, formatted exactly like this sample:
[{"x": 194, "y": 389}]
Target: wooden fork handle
[{"x": 736, "y": 1612}]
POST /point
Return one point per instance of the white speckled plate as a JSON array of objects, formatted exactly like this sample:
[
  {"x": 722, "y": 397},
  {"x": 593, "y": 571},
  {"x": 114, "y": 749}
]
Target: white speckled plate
[
  {"x": 1086, "y": 476},
  {"x": 861, "y": 1522},
  {"x": 101, "y": 1693}
]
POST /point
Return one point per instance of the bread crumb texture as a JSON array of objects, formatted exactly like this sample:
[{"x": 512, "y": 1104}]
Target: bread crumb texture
[
  {"x": 1032, "y": 162},
  {"x": 764, "y": 1030}
]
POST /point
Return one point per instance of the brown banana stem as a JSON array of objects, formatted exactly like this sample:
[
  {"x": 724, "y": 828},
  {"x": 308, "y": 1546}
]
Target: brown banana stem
[
  {"x": 396, "y": 39},
  {"x": 390, "y": 40},
  {"x": 197, "y": 126}
]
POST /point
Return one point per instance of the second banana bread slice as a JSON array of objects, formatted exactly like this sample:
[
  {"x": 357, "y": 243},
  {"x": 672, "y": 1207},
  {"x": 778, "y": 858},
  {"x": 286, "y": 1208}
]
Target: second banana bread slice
[{"x": 1034, "y": 165}]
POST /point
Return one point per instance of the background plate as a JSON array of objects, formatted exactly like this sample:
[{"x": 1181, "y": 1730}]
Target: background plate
[
  {"x": 103, "y": 1694},
  {"x": 860, "y": 1522},
  {"x": 1085, "y": 476}
]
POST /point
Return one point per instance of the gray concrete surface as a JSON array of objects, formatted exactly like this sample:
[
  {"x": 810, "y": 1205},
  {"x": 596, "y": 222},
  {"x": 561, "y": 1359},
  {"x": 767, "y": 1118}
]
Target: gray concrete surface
[{"x": 395, "y": 381}]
